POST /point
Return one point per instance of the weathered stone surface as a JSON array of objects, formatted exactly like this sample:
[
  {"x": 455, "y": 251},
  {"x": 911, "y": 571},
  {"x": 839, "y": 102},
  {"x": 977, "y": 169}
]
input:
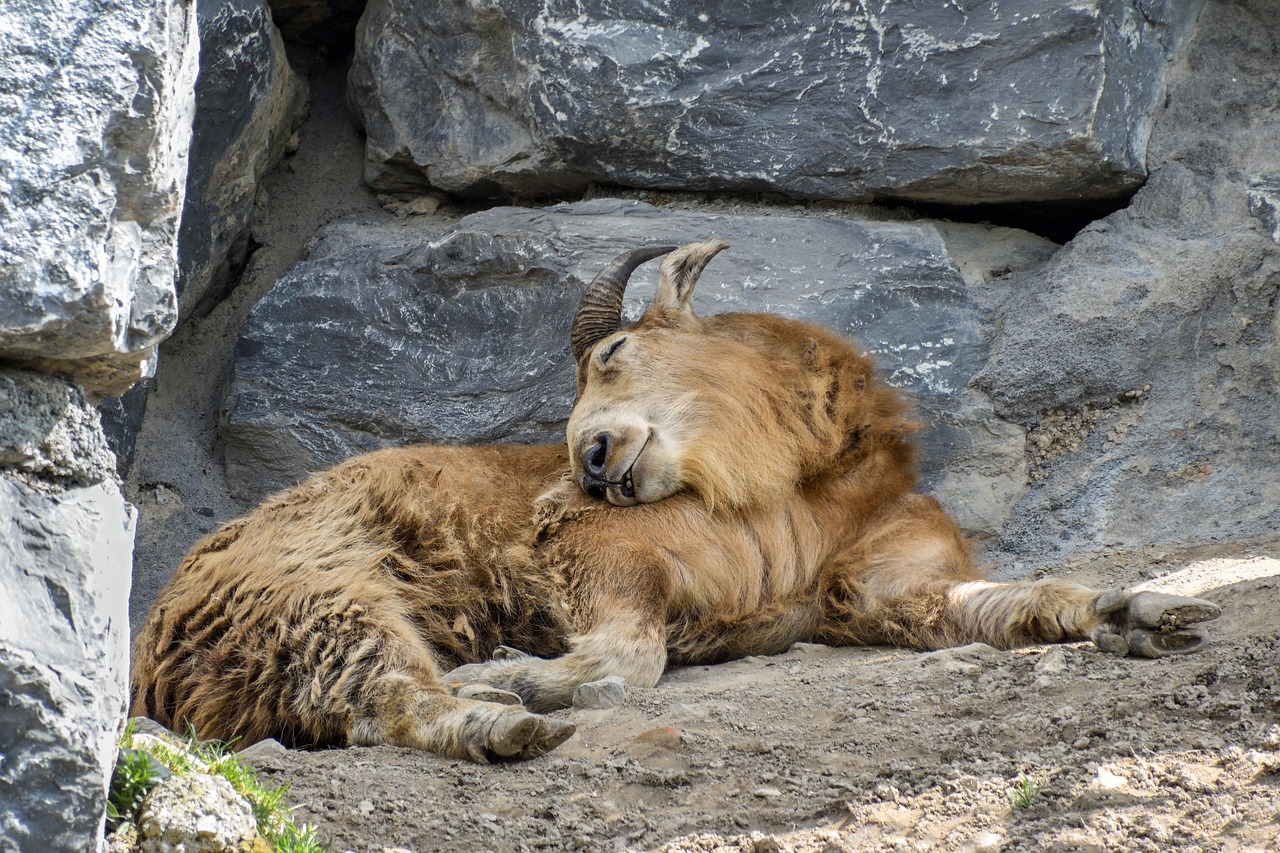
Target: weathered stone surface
[
  {"x": 48, "y": 431},
  {"x": 64, "y": 566},
  {"x": 195, "y": 813},
  {"x": 938, "y": 102},
  {"x": 248, "y": 100},
  {"x": 66, "y": 536},
  {"x": 1264, "y": 204},
  {"x": 1144, "y": 357},
  {"x": 95, "y": 119},
  {"x": 465, "y": 338}
]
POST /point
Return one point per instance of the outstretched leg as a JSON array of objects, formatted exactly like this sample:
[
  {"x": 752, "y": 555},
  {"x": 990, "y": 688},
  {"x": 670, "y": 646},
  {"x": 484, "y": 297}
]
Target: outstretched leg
[
  {"x": 619, "y": 604},
  {"x": 319, "y": 669},
  {"x": 402, "y": 710},
  {"x": 911, "y": 582},
  {"x": 626, "y": 643}
]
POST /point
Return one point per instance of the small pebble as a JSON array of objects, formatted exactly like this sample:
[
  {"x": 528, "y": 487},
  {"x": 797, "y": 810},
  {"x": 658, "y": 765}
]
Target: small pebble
[
  {"x": 608, "y": 692},
  {"x": 1052, "y": 661}
]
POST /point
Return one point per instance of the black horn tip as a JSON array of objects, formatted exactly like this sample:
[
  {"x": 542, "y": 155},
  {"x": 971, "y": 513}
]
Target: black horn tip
[{"x": 645, "y": 253}]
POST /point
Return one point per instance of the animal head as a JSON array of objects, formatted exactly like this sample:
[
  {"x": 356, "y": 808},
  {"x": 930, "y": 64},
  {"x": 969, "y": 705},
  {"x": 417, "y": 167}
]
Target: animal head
[{"x": 741, "y": 409}]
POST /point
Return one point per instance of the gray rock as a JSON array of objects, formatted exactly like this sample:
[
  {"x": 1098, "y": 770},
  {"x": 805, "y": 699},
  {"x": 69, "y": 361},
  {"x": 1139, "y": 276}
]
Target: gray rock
[
  {"x": 608, "y": 692},
  {"x": 122, "y": 418},
  {"x": 1264, "y": 203},
  {"x": 248, "y": 100},
  {"x": 936, "y": 102},
  {"x": 262, "y": 752},
  {"x": 195, "y": 813},
  {"x": 95, "y": 120},
  {"x": 49, "y": 432},
  {"x": 64, "y": 567},
  {"x": 1052, "y": 662},
  {"x": 465, "y": 338},
  {"x": 1143, "y": 357}
]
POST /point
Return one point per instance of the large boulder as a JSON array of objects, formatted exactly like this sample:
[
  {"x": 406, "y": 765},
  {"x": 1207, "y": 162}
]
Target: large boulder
[
  {"x": 66, "y": 536},
  {"x": 95, "y": 121},
  {"x": 381, "y": 339},
  {"x": 1145, "y": 357},
  {"x": 949, "y": 103},
  {"x": 248, "y": 100}
]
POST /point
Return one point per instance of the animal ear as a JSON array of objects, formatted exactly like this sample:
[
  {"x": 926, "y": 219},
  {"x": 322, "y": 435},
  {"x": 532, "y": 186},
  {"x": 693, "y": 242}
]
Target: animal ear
[{"x": 680, "y": 273}]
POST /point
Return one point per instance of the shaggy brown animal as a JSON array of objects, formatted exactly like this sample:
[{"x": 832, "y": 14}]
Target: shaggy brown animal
[{"x": 732, "y": 484}]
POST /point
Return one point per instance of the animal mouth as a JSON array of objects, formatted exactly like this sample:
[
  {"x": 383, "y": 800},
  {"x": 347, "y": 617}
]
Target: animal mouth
[
  {"x": 628, "y": 485},
  {"x": 625, "y": 485}
]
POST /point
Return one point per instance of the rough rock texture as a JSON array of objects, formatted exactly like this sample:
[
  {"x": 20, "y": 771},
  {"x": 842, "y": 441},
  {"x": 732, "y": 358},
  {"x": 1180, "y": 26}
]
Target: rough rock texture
[
  {"x": 95, "y": 123},
  {"x": 248, "y": 100},
  {"x": 1145, "y": 357},
  {"x": 176, "y": 474},
  {"x": 66, "y": 536},
  {"x": 465, "y": 338},
  {"x": 938, "y": 102},
  {"x": 47, "y": 431},
  {"x": 195, "y": 813},
  {"x": 95, "y": 119}
]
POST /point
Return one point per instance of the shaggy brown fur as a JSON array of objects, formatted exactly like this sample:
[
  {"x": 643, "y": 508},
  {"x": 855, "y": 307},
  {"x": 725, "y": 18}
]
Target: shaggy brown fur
[{"x": 758, "y": 490}]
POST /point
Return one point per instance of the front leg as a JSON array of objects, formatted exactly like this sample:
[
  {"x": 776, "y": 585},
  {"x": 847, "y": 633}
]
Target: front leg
[{"x": 625, "y": 642}]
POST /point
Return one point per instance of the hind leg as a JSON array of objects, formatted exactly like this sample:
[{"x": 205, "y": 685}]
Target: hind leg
[
  {"x": 911, "y": 582},
  {"x": 317, "y": 668},
  {"x": 387, "y": 681},
  {"x": 400, "y": 709}
]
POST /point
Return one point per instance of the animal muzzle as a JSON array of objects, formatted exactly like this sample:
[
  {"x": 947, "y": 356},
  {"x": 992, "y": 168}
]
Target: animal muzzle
[{"x": 607, "y": 462}]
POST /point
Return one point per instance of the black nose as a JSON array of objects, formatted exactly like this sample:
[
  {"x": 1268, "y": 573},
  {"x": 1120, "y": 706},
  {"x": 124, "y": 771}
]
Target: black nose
[{"x": 595, "y": 459}]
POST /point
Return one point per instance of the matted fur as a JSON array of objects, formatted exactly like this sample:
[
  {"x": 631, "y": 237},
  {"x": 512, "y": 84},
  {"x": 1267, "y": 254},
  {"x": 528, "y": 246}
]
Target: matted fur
[{"x": 772, "y": 473}]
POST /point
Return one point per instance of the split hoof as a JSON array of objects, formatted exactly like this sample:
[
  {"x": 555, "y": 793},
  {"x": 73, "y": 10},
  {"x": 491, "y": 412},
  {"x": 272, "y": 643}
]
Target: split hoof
[
  {"x": 1151, "y": 624},
  {"x": 520, "y": 735},
  {"x": 508, "y": 653},
  {"x": 471, "y": 673},
  {"x": 1154, "y": 644},
  {"x": 1170, "y": 612},
  {"x": 486, "y": 693}
]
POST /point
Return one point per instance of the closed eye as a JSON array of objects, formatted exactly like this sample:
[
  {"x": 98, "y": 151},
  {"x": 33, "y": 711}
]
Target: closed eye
[{"x": 610, "y": 350}]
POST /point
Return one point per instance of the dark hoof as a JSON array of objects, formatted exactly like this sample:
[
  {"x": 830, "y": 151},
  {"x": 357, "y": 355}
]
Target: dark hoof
[
  {"x": 519, "y": 736},
  {"x": 1151, "y": 624}
]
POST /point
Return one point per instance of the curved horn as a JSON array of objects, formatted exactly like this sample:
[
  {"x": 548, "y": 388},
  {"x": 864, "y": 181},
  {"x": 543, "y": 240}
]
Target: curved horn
[{"x": 600, "y": 312}]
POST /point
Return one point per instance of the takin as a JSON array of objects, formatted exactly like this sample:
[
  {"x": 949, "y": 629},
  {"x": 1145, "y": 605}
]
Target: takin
[{"x": 731, "y": 484}]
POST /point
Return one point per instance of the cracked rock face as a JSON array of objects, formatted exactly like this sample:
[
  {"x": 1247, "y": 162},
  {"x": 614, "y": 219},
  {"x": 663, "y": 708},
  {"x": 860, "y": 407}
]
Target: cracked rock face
[
  {"x": 934, "y": 102},
  {"x": 248, "y": 99},
  {"x": 95, "y": 120},
  {"x": 1145, "y": 356},
  {"x": 66, "y": 537}
]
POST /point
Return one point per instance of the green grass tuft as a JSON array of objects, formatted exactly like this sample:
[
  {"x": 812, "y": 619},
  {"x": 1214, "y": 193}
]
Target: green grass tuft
[
  {"x": 1026, "y": 791},
  {"x": 140, "y": 774}
]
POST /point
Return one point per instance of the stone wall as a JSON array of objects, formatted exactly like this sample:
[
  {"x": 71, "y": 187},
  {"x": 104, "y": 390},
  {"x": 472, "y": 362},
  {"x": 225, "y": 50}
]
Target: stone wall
[{"x": 95, "y": 122}]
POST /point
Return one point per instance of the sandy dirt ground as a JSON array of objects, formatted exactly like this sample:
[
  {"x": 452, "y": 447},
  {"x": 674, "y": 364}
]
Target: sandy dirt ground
[{"x": 862, "y": 749}]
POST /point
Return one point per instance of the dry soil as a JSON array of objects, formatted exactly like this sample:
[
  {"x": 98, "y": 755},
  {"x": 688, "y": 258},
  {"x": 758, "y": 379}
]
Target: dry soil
[{"x": 1050, "y": 748}]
